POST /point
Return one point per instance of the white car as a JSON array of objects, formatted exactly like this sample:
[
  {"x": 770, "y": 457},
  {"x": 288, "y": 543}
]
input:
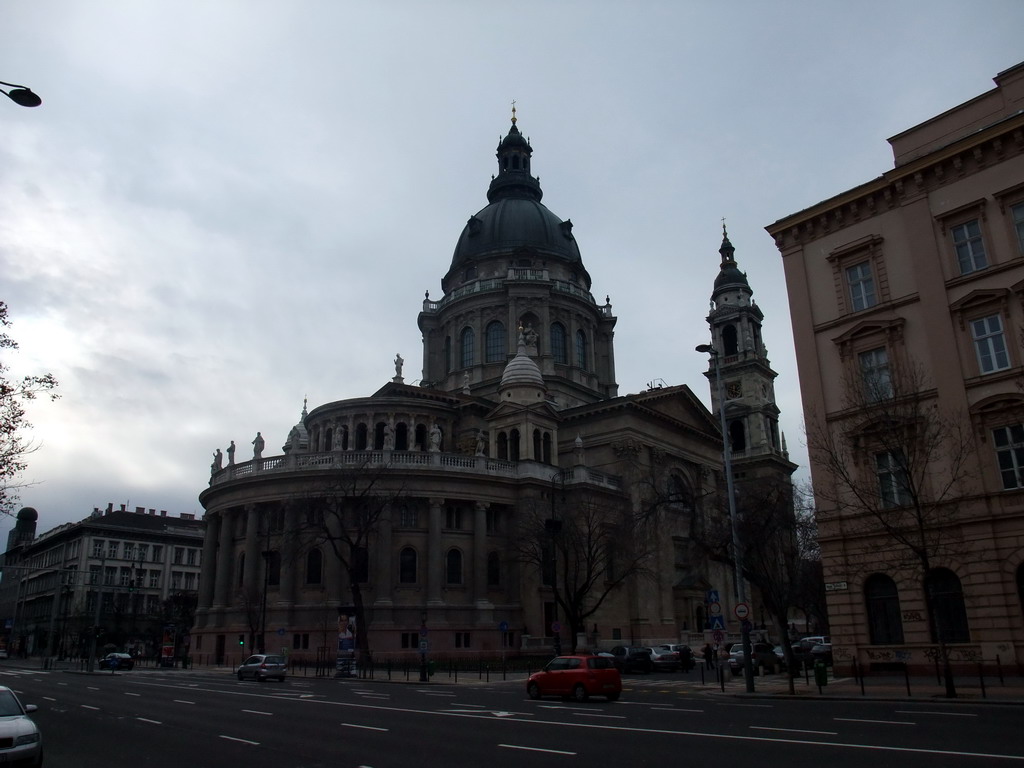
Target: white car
[{"x": 21, "y": 742}]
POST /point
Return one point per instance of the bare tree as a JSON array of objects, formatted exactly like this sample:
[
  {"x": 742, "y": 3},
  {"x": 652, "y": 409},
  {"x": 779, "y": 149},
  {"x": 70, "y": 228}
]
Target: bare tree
[
  {"x": 343, "y": 511},
  {"x": 13, "y": 394},
  {"x": 250, "y": 598},
  {"x": 585, "y": 547},
  {"x": 895, "y": 468}
]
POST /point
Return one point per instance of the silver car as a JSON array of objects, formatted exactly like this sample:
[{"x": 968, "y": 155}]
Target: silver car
[
  {"x": 20, "y": 740},
  {"x": 263, "y": 666}
]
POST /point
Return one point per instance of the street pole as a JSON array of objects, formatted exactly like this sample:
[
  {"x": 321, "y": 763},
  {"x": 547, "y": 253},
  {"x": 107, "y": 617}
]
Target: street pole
[
  {"x": 96, "y": 619},
  {"x": 741, "y": 592}
]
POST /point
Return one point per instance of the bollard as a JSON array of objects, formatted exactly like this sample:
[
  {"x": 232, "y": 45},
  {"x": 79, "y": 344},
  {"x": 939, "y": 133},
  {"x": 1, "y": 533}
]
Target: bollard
[{"x": 820, "y": 675}]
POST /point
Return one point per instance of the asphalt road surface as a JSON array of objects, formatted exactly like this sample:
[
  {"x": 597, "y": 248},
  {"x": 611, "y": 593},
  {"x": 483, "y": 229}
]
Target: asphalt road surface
[{"x": 174, "y": 718}]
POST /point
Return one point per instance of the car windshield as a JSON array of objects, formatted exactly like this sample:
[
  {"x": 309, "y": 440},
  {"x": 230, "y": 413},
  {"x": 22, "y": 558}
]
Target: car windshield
[
  {"x": 9, "y": 706},
  {"x": 275, "y": 659}
]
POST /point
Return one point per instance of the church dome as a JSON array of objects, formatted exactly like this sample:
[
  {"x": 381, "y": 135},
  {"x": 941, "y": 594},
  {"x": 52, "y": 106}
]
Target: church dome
[
  {"x": 28, "y": 513},
  {"x": 522, "y": 370},
  {"x": 729, "y": 275}
]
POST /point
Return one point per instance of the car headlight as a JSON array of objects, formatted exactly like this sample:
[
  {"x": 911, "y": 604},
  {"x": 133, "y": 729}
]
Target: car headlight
[{"x": 28, "y": 738}]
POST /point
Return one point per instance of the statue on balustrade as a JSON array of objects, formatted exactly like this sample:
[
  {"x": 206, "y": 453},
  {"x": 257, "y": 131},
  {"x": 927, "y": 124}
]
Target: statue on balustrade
[{"x": 258, "y": 444}]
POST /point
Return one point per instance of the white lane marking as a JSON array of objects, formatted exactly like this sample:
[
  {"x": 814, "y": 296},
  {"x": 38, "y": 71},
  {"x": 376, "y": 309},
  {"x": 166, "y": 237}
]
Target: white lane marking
[
  {"x": 183, "y": 701},
  {"x": 478, "y": 706},
  {"x": 676, "y": 709},
  {"x": 926, "y": 712},
  {"x": 258, "y": 712},
  {"x": 365, "y": 727},
  {"x": 86, "y": 706},
  {"x": 451, "y": 695},
  {"x": 881, "y": 722},
  {"x": 129, "y": 693},
  {"x": 792, "y": 730},
  {"x": 147, "y": 720},
  {"x": 536, "y": 749},
  {"x": 243, "y": 741},
  {"x": 730, "y": 704},
  {"x": 48, "y": 698},
  {"x": 594, "y": 714}
]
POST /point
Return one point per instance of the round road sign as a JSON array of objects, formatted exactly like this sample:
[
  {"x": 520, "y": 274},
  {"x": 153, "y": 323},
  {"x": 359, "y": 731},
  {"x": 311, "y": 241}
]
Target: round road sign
[
  {"x": 742, "y": 611},
  {"x": 715, "y": 609}
]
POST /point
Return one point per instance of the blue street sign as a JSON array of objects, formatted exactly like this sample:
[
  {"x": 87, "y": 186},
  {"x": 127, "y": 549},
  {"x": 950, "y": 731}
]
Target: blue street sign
[
  {"x": 503, "y": 626},
  {"x": 712, "y": 596},
  {"x": 717, "y": 622}
]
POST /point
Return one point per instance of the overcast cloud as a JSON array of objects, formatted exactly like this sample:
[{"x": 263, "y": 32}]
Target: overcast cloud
[{"x": 222, "y": 207}]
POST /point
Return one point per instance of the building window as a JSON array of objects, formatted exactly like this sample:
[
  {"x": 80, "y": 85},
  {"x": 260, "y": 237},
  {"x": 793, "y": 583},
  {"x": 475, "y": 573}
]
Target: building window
[
  {"x": 361, "y": 564},
  {"x": 158, "y": 553},
  {"x": 1018, "y": 224},
  {"x": 990, "y": 344},
  {"x": 493, "y": 569},
  {"x": 453, "y": 567},
  {"x": 192, "y": 556},
  {"x": 874, "y": 372},
  {"x": 861, "y": 285},
  {"x": 893, "y": 490},
  {"x": 176, "y": 578},
  {"x": 466, "y": 348},
  {"x": 314, "y": 567},
  {"x": 970, "y": 249},
  {"x": 581, "y": 350},
  {"x": 179, "y": 555},
  {"x": 493, "y": 520},
  {"x": 494, "y": 342},
  {"x": 885, "y": 622},
  {"x": 143, "y": 552},
  {"x": 154, "y": 579},
  {"x": 559, "y": 350},
  {"x": 462, "y": 639},
  {"x": 129, "y": 550},
  {"x": 730, "y": 340},
  {"x": 97, "y": 548},
  {"x": 273, "y": 566},
  {"x": 408, "y": 517},
  {"x": 190, "y": 582},
  {"x": 407, "y": 566},
  {"x": 949, "y": 616},
  {"x": 453, "y": 518},
  {"x": 410, "y": 640},
  {"x": 1009, "y": 443},
  {"x": 112, "y": 550},
  {"x": 126, "y": 577}
]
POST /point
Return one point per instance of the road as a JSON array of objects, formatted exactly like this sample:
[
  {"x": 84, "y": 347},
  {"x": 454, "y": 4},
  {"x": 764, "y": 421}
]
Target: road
[{"x": 171, "y": 718}]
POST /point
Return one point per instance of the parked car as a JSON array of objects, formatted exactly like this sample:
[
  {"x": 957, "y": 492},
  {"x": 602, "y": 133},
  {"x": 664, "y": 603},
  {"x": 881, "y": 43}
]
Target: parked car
[
  {"x": 665, "y": 660},
  {"x": 580, "y": 677},
  {"x": 261, "y": 667},
  {"x": 633, "y": 659},
  {"x": 117, "y": 661},
  {"x": 762, "y": 656},
  {"x": 686, "y": 655},
  {"x": 20, "y": 740},
  {"x": 822, "y": 652}
]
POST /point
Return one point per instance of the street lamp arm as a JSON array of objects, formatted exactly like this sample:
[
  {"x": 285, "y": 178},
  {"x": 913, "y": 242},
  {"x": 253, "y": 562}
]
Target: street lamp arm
[{"x": 21, "y": 94}]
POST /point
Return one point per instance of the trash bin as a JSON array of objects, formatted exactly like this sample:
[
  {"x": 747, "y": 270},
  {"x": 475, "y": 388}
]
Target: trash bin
[
  {"x": 431, "y": 668},
  {"x": 820, "y": 674}
]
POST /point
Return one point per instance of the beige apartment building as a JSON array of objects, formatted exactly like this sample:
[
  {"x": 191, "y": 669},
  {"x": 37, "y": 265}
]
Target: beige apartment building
[{"x": 907, "y": 301}]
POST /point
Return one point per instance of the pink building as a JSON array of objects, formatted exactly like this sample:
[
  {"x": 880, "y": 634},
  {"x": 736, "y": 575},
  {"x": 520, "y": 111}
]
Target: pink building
[{"x": 907, "y": 301}]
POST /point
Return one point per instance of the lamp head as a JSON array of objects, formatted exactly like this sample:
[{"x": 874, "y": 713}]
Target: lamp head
[
  {"x": 706, "y": 349},
  {"x": 23, "y": 96}
]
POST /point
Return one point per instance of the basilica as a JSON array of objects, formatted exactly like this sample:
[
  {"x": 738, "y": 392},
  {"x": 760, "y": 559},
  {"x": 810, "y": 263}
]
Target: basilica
[{"x": 511, "y": 498}]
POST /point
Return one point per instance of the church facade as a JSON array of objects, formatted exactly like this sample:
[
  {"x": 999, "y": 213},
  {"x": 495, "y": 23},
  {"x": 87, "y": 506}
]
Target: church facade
[{"x": 517, "y": 421}]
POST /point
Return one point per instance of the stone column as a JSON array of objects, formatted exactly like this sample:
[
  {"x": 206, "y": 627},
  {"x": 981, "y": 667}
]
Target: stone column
[
  {"x": 208, "y": 575},
  {"x": 435, "y": 558},
  {"x": 480, "y": 555},
  {"x": 289, "y": 550},
  {"x": 384, "y": 578},
  {"x": 333, "y": 577},
  {"x": 251, "y": 577},
  {"x": 222, "y": 592}
]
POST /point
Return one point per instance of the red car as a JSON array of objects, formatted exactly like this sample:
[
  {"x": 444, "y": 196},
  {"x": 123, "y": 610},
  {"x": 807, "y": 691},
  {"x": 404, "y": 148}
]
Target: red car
[{"x": 580, "y": 677}]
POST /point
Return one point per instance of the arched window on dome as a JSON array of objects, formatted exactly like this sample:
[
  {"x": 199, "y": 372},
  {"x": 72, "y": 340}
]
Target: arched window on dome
[
  {"x": 453, "y": 567},
  {"x": 503, "y": 446},
  {"x": 407, "y": 566},
  {"x": 466, "y": 348},
  {"x": 536, "y": 445},
  {"x": 421, "y": 437},
  {"x": 401, "y": 436},
  {"x": 314, "y": 567},
  {"x": 378, "y": 435},
  {"x": 581, "y": 350},
  {"x": 729, "y": 339},
  {"x": 329, "y": 439},
  {"x": 343, "y": 438},
  {"x": 547, "y": 447},
  {"x": 559, "y": 349},
  {"x": 447, "y": 354},
  {"x": 360, "y": 437},
  {"x": 515, "y": 162},
  {"x": 513, "y": 445},
  {"x": 494, "y": 342},
  {"x": 737, "y": 437},
  {"x": 882, "y": 599}
]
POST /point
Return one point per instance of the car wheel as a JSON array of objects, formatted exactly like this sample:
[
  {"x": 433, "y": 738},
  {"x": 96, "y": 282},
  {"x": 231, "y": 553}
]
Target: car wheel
[
  {"x": 533, "y": 691},
  {"x": 239, "y": 674},
  {"x": 579, "y": 693},
  {"x": 613, "y": 696}
]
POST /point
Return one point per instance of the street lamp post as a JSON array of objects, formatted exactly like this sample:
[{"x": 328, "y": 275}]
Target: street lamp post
[
  {"x": 21, "y": 95},
  {"x": 741, "y": 596}
]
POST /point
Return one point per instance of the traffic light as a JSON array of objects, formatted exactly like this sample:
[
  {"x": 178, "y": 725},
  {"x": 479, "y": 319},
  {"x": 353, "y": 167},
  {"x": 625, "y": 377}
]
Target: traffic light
[{"x": 241, "y": 641}]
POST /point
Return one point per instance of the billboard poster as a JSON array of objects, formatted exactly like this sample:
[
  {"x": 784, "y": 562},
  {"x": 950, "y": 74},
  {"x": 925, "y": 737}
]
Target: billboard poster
[{"x": 346, "y": 665}]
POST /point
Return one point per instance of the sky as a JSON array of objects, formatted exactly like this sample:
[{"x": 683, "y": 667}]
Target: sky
[{"x": 223, "y": 207}]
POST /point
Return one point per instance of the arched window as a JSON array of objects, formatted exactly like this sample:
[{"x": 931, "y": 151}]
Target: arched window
[
  {"x": 737, "y": 437},
  {"x": 494, "y": 350},
  {"x": 273, "y": 566},
  {"x": 453, "y": 567},
  {"x": 407, "y": 566},
  {"x": 447, "y": 354},
  {"x": 401, "y": 436},
  {"x": 421, "y": 437},
  {"x": 493, "y": 569},
  {"x": 536, "y": 445},
  {"x": 547, "y": 448},
  {"x": 378, "y": 435},
  {"x": 581, "y": 350},
  {"x": 885, "y": 623},
  {"x": 329, "y": 439},
  {"x": 559, "y": 350},
  {"x": 503, "y": 446},
  {"x": 949, "y": 616},
  {"x": 343, "y": 435},
  {"x": 241, "y": 570},
  {"x": 513, "y": 445},
  {"x": 729, "y": 340},
  {"x": 466, "y": 348},
  {"x": 360, "y": 437},
  {"x": 314, "y": 567}
]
